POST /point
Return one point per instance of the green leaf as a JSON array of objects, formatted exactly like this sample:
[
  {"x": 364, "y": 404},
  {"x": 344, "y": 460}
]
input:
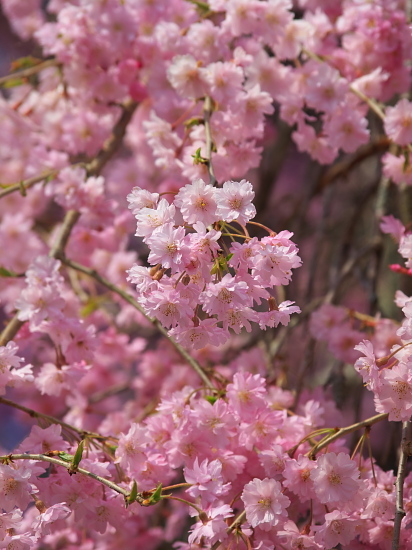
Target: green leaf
[
  {"x": 25, "y": 63},
  {"x": 6, "y": 273},
  {"x": 133, "y": 494},
  {"x": 156, "y": 496},
  {"x": 13, "y": 83},
  {"x": 92, "y": 305},
  {"x": 194, "y": 121},
  {"x": 211, "y": 398},
  {"x": 78, "y": 455},
  {"x": 66, "y": 457},
  {"x": 203, "y": 7},
  {"x": 198, "y": 159}
]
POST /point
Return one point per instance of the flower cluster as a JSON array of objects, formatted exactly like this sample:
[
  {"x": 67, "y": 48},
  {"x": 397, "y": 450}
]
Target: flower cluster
[
  {"x": 236, "y": 455},
  {"x": 159, "y": 98},
  {"x": 201, "y": 287}
]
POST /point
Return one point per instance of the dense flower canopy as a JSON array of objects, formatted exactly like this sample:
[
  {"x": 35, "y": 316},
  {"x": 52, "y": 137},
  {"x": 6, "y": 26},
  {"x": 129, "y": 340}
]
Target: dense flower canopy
[{"x": 201, "y": 209}]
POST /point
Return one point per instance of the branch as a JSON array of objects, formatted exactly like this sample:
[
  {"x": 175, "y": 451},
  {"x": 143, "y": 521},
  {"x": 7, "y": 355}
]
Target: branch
[
  {"x": 231, "y": 528},
  {"x": 128, "y": 298},
  {"x": 207, "y": 113},
  {"x": 345, "y": 431},
  {"x": 60, "y": 462},
  {"x": 23, "y": 185},
  {"x": 341, "y": 169},
  {"x": 53, "y": 420},
  {"x": 406, "y": 451},
  {"x": 112, "y": 144}
]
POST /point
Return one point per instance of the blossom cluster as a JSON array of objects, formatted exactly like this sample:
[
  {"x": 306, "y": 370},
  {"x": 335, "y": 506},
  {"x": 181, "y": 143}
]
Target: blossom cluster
[
  {"x": 151, "y": 100},
  {"x": 190, "y": 288},
  {"x": 235, "y": 453}
]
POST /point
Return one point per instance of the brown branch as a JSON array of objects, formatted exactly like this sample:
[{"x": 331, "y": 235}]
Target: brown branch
[
  {"x": 231, "y": 528},
  {"x": 406, "y": 452},
  {"x": 207, "y": 113},
  {"x": 53, "y": 420},
  {"x": 23, "y": 185},
  {"x": 112, "y": 144},
  {"x": 128, "y": 298},
  {"x": 341, "y": 432},
  {"x": 342, "y": 168}
]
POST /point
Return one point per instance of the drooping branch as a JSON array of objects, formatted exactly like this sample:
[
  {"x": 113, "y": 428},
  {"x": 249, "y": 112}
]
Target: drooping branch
[
  {"x": 405, "y": 453},
  {"x": 67, "y": 464},
  {"x": 53, "y": 420},
  {"x": 207, "y": 113},
  {"x": 23, "y": 185},
  {"x": 341, "y": 432}
]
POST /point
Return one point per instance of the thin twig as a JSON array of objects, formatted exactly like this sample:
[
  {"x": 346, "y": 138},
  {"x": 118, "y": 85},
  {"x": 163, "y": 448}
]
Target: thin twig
[
  {"x": 113, "y": 143},
  {"x": 207, "y": 113},
  {"x": 343, "y": 167},
  {"x": 53, "y": 420},
  {"x": 406, "y": 452},
  {"x": 23, "y": 185},
  {"x": 231, "y": 528},
  {"x": 59, "y": 462},
  {"x": 30, "y": 71},
  {"x": 128, "y": 298},
  {"x": 341, "y": 432}
]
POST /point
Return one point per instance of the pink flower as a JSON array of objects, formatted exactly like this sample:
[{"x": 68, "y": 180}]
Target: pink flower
[
  {"x": 197, "y": 202},
  {"x": 396, "y": 169},
  {"x": 265, "y": 505},
  {"x": 292, "y": 538},
  {"x": 131, "y": 451},
  {"x": 213, "y": 528},
  {"x": 141, "y": 198},
  {"x": 234, "y": 202},
  {"x": 8, "y": 360},
  {"x": 149, "y": 219},
  {"x": 44, "y": 440},
  {"x": 15, "y": 487},
  {"x": 246, "y": 394},
  {"x": 169, "y": 306},
  {"x": 187, "y": 77},
  {"x": 392, "y": 226},
  {"x": 398, "y": 122},
  {"x": 346, "y": 129},
  {"x": 335, "y": 478},
  {"x": 280, "y": 315},
  {"x": 394, "y": 395},
  {"x": 229, "y": 293},
  {"x": 45, "y": 520},
  {"x": 339, "y": 528},
  {"x": 9, "y": 521},
  {"x": 297, "y": 477},
  {"x": 366, "y": 366},
  {"x": 206, "y": 480},
  {"x": 198, "y": 336},
  {"x": 167, "y": 246}
]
